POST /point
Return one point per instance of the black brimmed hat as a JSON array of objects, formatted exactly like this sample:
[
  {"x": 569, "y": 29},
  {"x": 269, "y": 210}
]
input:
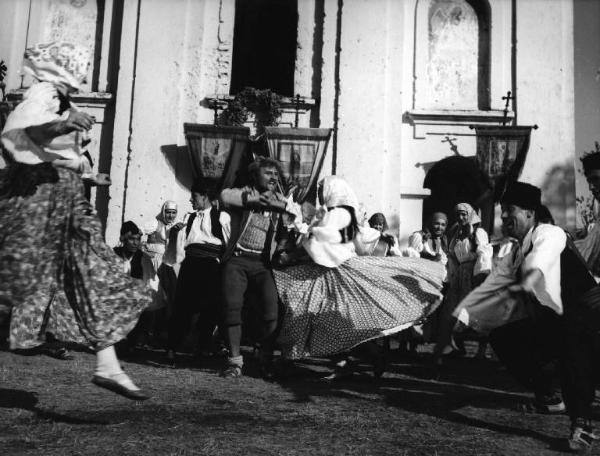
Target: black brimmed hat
[{"x": 526, "y": 196}]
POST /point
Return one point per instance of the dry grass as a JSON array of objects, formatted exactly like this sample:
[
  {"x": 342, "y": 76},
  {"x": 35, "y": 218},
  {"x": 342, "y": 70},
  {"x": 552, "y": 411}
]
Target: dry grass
[{"x": 49, "y": 407}]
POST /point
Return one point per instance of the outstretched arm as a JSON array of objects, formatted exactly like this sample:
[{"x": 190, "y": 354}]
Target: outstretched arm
[{"x": 46, "y": 132}]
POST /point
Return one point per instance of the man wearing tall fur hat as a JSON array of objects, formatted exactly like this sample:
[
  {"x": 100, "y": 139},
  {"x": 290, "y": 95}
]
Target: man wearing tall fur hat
[{"x": 534, "y": 307}]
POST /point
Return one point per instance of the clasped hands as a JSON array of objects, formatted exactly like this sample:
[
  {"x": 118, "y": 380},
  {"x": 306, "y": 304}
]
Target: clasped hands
[
  {"x": 269, "y": 200},
  {"x": 78, "y": 121}
]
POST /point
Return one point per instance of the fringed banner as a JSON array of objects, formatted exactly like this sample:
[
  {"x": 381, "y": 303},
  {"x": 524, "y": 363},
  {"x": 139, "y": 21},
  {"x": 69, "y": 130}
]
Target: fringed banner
[
  {"x": 219, "y": 154},
  {"x": 501, "y": 153},
  {"x": 301, "y": 152}
]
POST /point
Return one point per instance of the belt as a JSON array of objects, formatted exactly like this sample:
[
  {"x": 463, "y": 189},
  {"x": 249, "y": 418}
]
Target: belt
[
  {"x": 244, "y": 253},
  {"x": 203, "y": 251}
]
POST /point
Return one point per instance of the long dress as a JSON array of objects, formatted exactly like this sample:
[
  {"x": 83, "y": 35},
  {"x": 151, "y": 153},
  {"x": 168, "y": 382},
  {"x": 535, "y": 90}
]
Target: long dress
[
  {"x": 329, "y": 310},
  {"x": 468, "y": 257},
  {"x": 56, "y": 272}
]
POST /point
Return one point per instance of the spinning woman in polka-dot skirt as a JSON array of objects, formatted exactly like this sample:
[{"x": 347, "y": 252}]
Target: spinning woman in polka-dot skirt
[{"x": 340, "y": 300}]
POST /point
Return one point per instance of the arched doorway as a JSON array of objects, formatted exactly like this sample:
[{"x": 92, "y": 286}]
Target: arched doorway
[{"x": 454, "y": 180}]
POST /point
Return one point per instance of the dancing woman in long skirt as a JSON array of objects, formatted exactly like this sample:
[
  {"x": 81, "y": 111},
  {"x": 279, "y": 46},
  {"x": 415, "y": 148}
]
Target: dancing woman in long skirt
[
  {"x": 56, "y": 272},
  {"x": 340, "y": 300}
]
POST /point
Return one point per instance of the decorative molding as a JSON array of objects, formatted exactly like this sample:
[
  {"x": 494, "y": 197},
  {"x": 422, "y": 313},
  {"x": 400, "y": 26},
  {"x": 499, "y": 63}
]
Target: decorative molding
[
  {"x": 83, "y": 98},
  {"x": 456, "y": 117},
  {"x": 288, "y": 104},
  {"x": 414, "y": 193}
]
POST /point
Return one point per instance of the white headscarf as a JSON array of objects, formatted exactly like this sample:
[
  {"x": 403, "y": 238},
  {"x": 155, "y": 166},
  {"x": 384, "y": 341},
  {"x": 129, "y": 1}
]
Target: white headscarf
[
  {"x": 337, "y": 192},
  {"x": 162, "y": 217},
  {"x": 472, "y": 218}
]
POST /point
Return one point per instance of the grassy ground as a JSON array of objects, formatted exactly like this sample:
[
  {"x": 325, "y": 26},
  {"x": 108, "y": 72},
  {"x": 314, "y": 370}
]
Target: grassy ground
[{"x": 49, "y": 407}]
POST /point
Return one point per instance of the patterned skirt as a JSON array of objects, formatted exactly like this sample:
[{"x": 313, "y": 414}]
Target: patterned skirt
[
  {"x": 331, "y": 310},
  {"x": 56, "y": 272}
]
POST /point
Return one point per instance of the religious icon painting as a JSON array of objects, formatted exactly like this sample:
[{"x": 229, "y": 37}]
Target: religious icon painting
[
  {"x": 501, "y": 152},
  {"x": 301, "y": 152},
  {"x": 217, "y": 153},
  {"x": 502, "y": 155},
  {"x": 297, "y": 161}
]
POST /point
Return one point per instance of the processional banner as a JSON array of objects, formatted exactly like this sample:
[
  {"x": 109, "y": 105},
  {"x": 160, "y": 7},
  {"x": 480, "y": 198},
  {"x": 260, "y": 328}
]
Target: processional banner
[
  {"x": 301, "y": 152},
  {"x": 501, "y": 153},
  {"x": 219, "y": 154}
]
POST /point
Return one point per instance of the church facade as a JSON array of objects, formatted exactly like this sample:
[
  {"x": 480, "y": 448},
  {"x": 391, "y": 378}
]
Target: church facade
[{"x": 399, "y": 81}]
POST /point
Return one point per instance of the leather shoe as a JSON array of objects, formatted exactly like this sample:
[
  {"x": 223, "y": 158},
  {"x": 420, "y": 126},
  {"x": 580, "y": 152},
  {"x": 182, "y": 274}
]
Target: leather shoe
[{"x": 116, "y": 387}]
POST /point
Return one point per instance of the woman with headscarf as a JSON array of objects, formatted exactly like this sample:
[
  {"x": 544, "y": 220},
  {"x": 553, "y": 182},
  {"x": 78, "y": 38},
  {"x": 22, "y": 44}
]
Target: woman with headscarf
[
  {"x": 375, "y": 240},
  {"x": 469, "y": 262},
  {"x": 340, "y": 300},
  {"x": 431, "y": 242},
  {"x": 161, "y": 255},
  {"x": 56, "y": 272}
]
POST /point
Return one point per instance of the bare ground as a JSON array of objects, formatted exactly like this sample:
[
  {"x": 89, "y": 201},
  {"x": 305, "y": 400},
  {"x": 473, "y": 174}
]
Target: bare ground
[{"x": 470, "y": 407}]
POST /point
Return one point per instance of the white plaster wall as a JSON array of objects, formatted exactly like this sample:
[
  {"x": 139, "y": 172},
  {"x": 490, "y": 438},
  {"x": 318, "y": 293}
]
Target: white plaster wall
[
  {"x": 361, "y": 143},
  {"x": 587, "y": 85},
  {"x": 167, "y": 74},
  {"x": 13, "y": 36},
  {"x": 545, "y": 92},
  {"x": 158, "y": 91}
]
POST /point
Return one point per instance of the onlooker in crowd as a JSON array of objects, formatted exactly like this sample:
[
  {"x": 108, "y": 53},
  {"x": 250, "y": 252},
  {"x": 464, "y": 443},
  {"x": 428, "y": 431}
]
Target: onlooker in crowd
[
  {"x": 590, "y": 245},
  {"x": 205, "y": 233},
  {"x": 132, "y": 259},
  {"x": 160, "y": 263},
  {"x": 469, "y": 262},
  {"x": 129, "y": 251},
  {"x": 385, "y": 244},
  {"x": 255, "y": 224},
  {"x": 431, "y": 242}
]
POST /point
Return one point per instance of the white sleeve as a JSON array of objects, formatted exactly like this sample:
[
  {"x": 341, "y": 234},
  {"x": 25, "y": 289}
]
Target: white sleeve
[
  {"x": 328, "y": 229},
  {"x": 150, "y": 227},
  {"x": 484, "y": 252},
  {"x": 548, "y": 243},
  {"x": 395, "y": 249},
  {"x": 225, "y": 220}
]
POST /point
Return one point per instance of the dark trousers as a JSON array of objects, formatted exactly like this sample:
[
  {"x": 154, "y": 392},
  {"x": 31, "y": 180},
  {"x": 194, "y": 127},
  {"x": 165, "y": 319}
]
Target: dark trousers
[
  {"x": 248, "y": 276},
  {"x": 536, "y": 349},
  {"x": 198, "y": 291},
  {"x": 579, "y": 363}
]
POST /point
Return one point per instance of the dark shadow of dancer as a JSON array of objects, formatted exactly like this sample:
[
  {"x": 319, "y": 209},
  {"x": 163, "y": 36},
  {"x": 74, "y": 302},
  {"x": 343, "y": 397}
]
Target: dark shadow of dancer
[
  {"x": 440, "y": 401},
  {"x": 25, "y": 400}
]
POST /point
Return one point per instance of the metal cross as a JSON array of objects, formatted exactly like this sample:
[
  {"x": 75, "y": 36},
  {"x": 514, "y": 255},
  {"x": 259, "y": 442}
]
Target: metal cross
[
  {"x": 298, "y": 98},
  {"x": 216, "y": 112},
  {"x": 508, "y": 97},
  {"x": 453, "y": 146}
]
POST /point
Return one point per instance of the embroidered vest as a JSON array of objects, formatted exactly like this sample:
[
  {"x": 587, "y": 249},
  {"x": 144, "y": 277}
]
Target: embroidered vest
[{"x": 254, "y": 236}]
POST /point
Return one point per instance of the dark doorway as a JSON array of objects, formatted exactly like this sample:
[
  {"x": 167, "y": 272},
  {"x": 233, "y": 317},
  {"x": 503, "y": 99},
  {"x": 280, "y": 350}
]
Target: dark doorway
[
  {"x": 264, "y": 45},
  {"x": 454, "y": 180}
]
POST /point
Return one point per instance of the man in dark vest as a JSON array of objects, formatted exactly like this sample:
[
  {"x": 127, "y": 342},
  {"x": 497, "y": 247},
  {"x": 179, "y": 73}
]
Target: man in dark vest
[
  {"x": 553, "y": 282},
  {"x": 129, "y": 250},
  {"x": 199, "y": 282},
  {"x": 255, "y": 224}
]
